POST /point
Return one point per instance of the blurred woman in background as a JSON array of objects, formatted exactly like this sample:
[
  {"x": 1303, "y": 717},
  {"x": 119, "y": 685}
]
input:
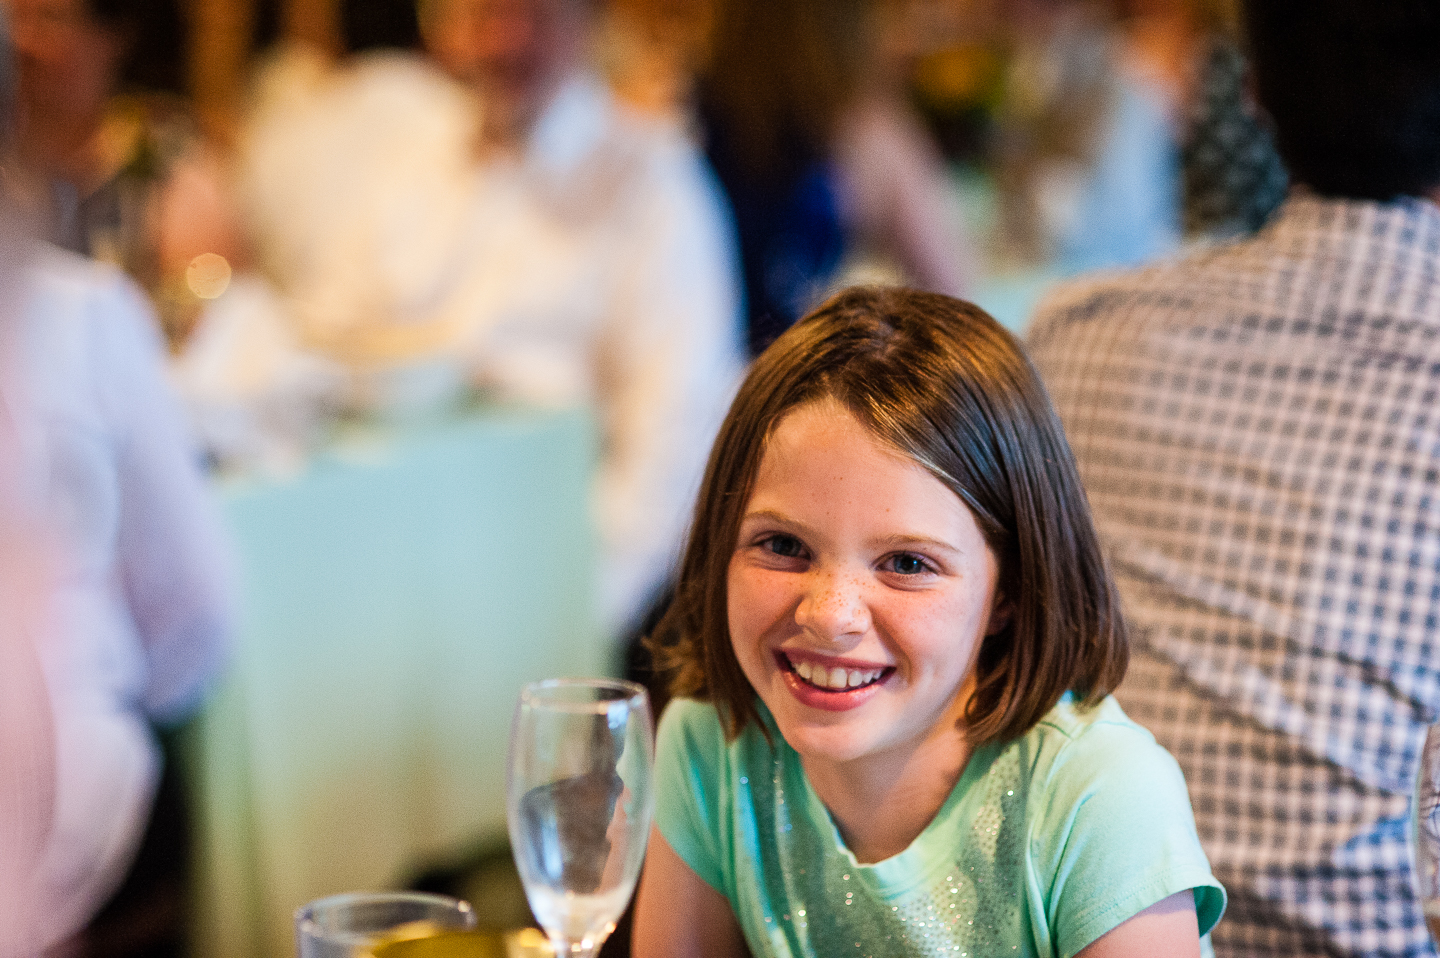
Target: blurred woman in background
[
  {"x": 826, "y": 169},
  {"x": 1125, "y": 129}
]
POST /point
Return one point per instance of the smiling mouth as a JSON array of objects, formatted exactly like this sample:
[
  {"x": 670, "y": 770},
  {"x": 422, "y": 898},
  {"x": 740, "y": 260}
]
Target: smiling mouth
[{"x": 835, "y": 679}]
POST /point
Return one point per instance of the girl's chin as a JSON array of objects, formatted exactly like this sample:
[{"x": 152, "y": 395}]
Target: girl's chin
[{"x": 826, "y": 745}]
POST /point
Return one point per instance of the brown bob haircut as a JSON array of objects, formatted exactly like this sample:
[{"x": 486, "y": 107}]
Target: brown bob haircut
[{"x": 947, "y": 386}]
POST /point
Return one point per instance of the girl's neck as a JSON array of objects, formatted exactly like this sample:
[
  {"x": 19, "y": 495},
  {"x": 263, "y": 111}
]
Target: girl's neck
[{"x": 883, "y": 802}]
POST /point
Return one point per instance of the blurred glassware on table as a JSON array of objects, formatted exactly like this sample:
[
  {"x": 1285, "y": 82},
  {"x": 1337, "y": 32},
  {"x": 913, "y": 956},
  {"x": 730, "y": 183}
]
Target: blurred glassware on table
[
  {"x": 360, "y": 924},
  {"x": 580, "y": 801},
  {"x": 1085, "y": 157},
  {"x": 481, "y": 943},
  {"x": 1425, "y": 825},
  {"x": 1087, "y": 134}
]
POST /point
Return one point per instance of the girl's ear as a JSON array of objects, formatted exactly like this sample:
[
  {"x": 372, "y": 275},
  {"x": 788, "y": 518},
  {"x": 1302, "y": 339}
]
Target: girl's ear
[{"x": 1000, "y": 614}]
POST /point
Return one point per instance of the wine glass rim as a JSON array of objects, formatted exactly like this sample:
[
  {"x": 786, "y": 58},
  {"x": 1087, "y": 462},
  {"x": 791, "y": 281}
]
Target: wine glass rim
[
  {"x": 631, "y": 692},
  {"x": 310, "y": 914}
]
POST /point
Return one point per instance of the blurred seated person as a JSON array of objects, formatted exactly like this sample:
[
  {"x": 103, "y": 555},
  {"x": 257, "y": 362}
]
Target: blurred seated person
[
  {"x": 1255, "y": 426},
  {"x": 1189, "y": 52},
  {"x": 831, "y": 177},
  {"x": 1088, "y": 166},
  {"x": 116, "y": 594},
  {"x": 141, "y": 606},
  {"x": 112, "y": 154},
  {"x": 518, "y": 231},
  {"x": 27, "y": 736},
  {"x": 651, "y": 51}
]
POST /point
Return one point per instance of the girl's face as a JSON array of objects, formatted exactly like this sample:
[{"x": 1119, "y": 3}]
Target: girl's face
[{"x": 859, "y": 592}]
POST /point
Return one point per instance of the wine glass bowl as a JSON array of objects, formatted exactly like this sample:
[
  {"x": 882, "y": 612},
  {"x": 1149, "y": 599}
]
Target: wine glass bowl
[
  {"x": 1425, "y": 830},
  {"x": 580, "y": 803}
]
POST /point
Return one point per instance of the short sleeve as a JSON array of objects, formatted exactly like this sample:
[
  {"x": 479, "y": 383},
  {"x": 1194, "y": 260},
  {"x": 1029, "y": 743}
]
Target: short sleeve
[
  {"x": 690, "y": 760},
  {"x": 1115, "y": 834}
]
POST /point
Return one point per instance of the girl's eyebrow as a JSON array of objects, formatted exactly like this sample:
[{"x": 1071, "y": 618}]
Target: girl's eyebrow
[
  {"x": 903, "y": 540},
  {"x": 770, "y": 515}
]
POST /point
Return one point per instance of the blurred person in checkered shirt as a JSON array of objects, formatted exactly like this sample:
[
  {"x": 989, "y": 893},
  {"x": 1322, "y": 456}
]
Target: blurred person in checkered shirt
[{"x": 1257, "y": 428}]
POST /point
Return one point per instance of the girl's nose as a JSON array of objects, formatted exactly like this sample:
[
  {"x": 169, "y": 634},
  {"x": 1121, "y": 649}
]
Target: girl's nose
[{"x": 833, "y": 606}]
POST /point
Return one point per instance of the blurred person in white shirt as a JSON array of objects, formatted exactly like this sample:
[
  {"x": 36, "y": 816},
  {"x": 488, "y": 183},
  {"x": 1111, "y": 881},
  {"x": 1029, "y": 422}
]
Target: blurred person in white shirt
[
  {"x": 143, "y": 606},
  {"x": 27, "y": 735},
  {"x": 115, "y": 601},
  {"x": 504, "y": 221}
]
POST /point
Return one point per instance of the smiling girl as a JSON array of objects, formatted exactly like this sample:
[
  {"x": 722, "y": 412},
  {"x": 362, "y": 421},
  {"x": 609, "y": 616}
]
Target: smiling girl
[{"x": 895, "y": 644}]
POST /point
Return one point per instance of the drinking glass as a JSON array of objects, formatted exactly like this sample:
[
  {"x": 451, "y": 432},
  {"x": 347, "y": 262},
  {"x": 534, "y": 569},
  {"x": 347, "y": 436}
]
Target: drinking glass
[
  {"x": 580, "y": 801},
  {"x": 352, "y": 925},
  {"x": 1426, "y": 830}
]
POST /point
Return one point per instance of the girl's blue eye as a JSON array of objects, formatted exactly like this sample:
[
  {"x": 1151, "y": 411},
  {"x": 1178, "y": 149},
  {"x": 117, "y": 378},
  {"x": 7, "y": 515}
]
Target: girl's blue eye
[
  {"x": 787, "y": 546},
  {"x": 907, "y": 563}
]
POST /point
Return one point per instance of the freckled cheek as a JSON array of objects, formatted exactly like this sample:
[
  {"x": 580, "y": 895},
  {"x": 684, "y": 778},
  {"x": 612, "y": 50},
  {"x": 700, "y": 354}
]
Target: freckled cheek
[
  {"x": 745, "y": 629},
  {"x": 755, "y": 602},
  {"x": 938, "y": 638}
]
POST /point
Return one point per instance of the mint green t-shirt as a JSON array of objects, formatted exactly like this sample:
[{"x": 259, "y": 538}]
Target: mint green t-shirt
[{"x": 1046, "y": 843}]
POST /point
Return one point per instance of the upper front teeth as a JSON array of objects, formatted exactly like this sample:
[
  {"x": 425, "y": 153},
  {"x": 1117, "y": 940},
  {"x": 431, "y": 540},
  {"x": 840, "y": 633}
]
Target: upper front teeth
[{"x": 836, "y": 678}]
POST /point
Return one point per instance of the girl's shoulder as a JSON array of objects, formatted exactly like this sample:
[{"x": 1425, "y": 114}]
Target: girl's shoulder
[
  {"x": 1107, "y": 807},
  {"x": 693, "y": 736},
  {"x": 697, "y": 722},
  {"x": 1070, "y": 722},
  {"x": 702, "y": 719},
  {"x": 695, "y": 727},
  {"x": 1075, "y": 748},
  {"x": 691, "y": 714}
]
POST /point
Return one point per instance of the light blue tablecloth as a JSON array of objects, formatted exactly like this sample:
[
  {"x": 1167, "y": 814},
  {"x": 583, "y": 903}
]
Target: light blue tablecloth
[{"x": 396, "y": 597}]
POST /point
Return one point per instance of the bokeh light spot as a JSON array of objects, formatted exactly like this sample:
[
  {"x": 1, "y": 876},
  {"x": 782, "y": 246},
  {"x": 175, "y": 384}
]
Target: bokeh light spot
[{"x": 208, "y": 275}]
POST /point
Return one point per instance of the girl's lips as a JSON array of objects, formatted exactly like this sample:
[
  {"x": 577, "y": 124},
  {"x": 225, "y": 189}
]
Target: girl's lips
[{"x": 834, "y": 685}]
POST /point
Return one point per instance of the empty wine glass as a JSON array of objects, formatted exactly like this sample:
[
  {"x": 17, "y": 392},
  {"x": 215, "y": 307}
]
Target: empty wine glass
[
  {"x": 580, "y": 803},
  {"x": 1425, "y": 827}
]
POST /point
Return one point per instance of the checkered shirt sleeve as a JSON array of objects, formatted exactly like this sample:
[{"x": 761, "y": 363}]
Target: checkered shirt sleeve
[{"x": 1259, "y": 436}]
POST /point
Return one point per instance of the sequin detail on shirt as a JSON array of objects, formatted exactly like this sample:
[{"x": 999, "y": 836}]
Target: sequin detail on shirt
[{"x": 968, "y": 908}]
